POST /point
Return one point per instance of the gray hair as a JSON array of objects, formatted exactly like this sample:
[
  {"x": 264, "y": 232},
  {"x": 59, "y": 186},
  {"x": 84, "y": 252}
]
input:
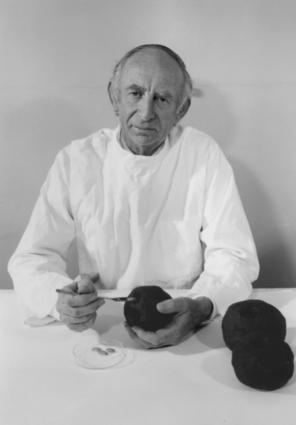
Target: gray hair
[{"x": 113, "y": 86}]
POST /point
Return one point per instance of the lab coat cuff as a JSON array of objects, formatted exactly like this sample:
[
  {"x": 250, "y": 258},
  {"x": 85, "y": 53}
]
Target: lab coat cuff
[{"x": 54, "y": 313}]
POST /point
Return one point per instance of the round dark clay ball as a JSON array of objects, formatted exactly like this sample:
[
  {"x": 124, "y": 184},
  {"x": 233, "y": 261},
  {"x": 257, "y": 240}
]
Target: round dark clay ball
[
  {"x": 141, "y": 311},
  {"x": 263, "y": 362},
  {"x": 252, "y": 316}
]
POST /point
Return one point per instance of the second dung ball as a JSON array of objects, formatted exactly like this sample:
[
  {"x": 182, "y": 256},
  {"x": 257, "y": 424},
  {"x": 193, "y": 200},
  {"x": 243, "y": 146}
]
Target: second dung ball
[{"x": 263, "y": 362}]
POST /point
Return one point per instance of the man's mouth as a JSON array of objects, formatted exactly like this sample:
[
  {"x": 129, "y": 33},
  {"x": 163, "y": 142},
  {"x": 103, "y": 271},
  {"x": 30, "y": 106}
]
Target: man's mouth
[{"x": 144, "y": 128}]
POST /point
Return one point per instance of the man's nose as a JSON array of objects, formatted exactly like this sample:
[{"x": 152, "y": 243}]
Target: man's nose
[{"x": 146, "y": 109}]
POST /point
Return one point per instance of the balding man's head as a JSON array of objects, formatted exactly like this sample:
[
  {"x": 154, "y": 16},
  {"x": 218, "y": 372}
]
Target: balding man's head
[
  {"x": 150, "y": 92},
  {"x": 114, "y": 84}
]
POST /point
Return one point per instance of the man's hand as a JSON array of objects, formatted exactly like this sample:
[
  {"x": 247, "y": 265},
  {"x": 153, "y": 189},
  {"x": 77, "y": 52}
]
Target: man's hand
[
  {"x": 190, "y": 314},
  {"x": 78, "y": 311}
]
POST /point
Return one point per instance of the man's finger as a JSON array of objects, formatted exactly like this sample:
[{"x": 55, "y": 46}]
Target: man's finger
[
  {"x": 71, "y": 308},
  {"x": 150, "y": 337},
  {"x": 94, "y": 278},
  {"x": 85, "y": 286},
  {"x": 84, "y": 309},
  {"x": 80, "y": 327},
  {"x": 174, "y": 305},
  {"x": 160, "y": 338},
  {"x": 70, "y": 320},
  {"x": 81, "y": 299},
  {"x": 82, "y": 286},
  {"x": 135, "y": 337}
]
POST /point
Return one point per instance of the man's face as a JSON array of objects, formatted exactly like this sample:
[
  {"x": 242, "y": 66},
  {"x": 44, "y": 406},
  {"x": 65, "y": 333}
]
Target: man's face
[{"x": 150, "y": 90}]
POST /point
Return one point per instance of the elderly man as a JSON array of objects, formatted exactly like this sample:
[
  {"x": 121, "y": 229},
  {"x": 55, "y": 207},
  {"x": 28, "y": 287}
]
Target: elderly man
[{"x": 148, "y": 203}]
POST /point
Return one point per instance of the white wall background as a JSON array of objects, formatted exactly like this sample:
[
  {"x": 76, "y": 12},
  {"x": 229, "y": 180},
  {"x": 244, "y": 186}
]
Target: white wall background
[{"x": 56, "y": 57}]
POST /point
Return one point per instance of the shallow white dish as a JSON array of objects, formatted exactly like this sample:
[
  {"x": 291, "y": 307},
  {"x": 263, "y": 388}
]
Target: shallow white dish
[{"x": 99, "y": 354}]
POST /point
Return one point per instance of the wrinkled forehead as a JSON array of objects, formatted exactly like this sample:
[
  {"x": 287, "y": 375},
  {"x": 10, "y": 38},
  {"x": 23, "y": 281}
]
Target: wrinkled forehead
[{"x": 152, "y": 67}]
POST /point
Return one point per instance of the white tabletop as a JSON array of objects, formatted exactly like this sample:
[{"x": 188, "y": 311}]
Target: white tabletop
[{"x": 192, "y": 383}]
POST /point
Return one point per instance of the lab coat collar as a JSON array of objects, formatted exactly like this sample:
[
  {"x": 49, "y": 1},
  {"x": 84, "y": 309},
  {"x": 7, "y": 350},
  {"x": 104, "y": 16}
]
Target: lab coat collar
[{"x": 138, "y": 161}]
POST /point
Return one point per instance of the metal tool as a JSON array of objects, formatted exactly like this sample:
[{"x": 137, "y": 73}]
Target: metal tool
[{"x": 63, "y": 291}]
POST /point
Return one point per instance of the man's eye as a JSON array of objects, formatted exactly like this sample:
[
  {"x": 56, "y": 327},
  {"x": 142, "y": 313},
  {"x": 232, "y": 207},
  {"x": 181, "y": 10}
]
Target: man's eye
[
  {"x": 161, "y": 99},
  {"x": 135, "y": 94},
  {"x": 162, "y": 102}
]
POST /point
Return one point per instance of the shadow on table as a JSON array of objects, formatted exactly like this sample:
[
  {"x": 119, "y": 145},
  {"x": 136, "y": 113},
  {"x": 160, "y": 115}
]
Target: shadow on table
[
  {"x": 206, "y": 338},
  {"x": 210, "y": 335}
]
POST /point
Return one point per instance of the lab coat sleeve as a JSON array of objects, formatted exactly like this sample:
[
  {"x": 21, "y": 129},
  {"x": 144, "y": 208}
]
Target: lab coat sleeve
[
  {"x": 230, "y": 257},
  {"x": 38, "y": 267}
]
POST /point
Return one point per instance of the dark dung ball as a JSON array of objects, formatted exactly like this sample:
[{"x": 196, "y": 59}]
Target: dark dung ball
[
  {"x": 252, "y": 316},
  {"x": 263, "y": 362},
  {"x": 141, "y": 310}
]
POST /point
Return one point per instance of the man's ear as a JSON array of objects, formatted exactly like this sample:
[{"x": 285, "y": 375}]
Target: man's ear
[
  {"x": 113, "y": 98},
  {"x": 183, "y": 110}
]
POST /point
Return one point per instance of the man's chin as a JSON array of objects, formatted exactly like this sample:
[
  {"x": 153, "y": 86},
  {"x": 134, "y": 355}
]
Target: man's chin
[{"x": 144, "y": 139}]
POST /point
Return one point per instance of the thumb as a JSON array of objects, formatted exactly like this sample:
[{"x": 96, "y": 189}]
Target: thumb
[
  {"x": 85, "y": 286},
  {"x": 171, "y": 306}
]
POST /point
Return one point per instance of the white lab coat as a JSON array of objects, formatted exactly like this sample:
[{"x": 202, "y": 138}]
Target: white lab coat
[{"x": 173, "y": 219}]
